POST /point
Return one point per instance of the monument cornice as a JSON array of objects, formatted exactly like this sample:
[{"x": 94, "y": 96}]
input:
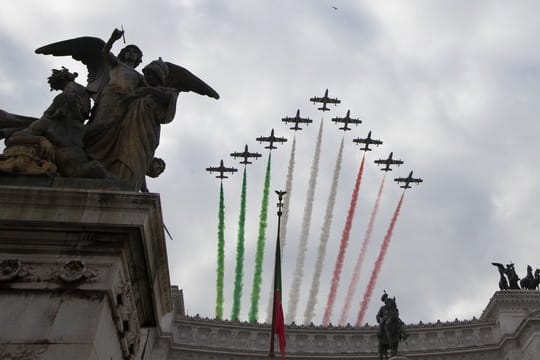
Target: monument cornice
[{"x": 508, "y": 300}]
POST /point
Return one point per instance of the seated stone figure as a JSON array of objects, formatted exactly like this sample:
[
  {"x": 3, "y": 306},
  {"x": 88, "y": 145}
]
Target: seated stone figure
[{"x": 53, "y": 144}]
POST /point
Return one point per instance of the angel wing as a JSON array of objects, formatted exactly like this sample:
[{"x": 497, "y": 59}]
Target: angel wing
[
  {"x": 88, "y": 50},
  {"x": 499, "y": 266},
  {"x": 183, "y": 80}
]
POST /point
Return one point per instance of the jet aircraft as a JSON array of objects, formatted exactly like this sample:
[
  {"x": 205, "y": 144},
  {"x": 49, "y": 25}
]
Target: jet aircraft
[
  {"x": 222, "y": 169},
  {"x": 246, "y": 155},
  {"x": 271, "y": 140},
  {"x": 407, "y": 180},
  {"x": 388, "y": 162},
  {"x": 346, "y": 121},
  {"x": 367, "y": 141},
  {"x": 297, "y": 120},
  {"x": 325, "y": 100}
]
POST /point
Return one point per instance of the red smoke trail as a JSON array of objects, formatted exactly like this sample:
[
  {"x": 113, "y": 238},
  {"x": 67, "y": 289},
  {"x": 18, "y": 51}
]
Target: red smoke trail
[
  {"x": 378, "y": 264},
  {"x": 360, "y": 261},
  {"x": 343, "y": 246}
]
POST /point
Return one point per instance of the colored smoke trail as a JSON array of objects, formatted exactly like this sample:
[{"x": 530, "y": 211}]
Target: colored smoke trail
[
  {"x": 378, "y": 264},
  {"x": 306, "y": 223},
  {"x": 220, "y": 255},
  {"x": 284, "y": 220},
  {"x": 239, "y": 268},
  {"x": 360, "y": 260},
  {"x": 287, "y": 199},
  {"x": 343, "y": 246},
  {"x": 259, "y": 255},
  {"x": 309, "y": 313}
]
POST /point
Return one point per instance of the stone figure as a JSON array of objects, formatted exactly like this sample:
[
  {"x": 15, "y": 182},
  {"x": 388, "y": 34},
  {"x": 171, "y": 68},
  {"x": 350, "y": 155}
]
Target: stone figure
[
  {"x": 127, "y": 149},
  {"x": 391, "y": 329},
  {"x": 124, "y": 126},
  {"x": 512, "y": 279},
  {"x": 53, "y": 144}
]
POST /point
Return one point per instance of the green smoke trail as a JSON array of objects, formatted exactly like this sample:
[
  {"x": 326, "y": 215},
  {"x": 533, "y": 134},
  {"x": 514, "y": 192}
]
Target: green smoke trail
[
  {"x": 257, "y": 277},
  {"x": 221, "y": 255},
  {"x": 239, "y": 269}
]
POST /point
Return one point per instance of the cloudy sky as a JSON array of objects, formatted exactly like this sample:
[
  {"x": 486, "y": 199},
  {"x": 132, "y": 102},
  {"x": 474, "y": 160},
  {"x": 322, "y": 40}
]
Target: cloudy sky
[{"x": 451, "y": 87}]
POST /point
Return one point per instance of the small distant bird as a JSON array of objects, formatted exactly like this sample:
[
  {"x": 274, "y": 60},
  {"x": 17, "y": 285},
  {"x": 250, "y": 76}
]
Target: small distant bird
[{"x": 333, "y": 7}]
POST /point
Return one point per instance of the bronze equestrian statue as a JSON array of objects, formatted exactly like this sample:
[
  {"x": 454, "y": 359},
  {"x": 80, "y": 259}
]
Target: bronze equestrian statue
[{"x": 391, "y": 328}]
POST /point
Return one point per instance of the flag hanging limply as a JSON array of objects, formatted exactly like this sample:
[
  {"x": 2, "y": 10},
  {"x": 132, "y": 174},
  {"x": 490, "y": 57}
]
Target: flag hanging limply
[{"x": 278, "y": 320}]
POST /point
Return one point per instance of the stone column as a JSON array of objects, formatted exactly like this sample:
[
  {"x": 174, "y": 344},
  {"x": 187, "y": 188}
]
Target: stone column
[{"x": 83, "y": 273}]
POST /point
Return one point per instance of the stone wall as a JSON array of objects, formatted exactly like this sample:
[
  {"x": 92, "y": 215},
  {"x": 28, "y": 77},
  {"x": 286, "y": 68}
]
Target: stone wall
[{"x": 83, "y": 273}]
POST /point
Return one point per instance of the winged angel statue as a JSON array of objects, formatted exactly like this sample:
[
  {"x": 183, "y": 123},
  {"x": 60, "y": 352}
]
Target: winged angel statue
[{"x": 118, "y": 137}]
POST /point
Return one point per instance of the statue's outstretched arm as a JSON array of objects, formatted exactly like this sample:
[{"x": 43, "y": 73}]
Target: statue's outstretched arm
[{"x": 108, "y": 56}]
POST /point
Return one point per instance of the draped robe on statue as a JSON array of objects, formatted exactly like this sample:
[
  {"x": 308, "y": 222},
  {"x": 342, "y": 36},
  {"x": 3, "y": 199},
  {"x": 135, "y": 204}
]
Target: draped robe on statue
[{"x": 127, "y": 146}]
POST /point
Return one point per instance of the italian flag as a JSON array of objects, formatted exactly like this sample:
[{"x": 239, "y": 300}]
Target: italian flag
[{"x": 278, "y": 320}]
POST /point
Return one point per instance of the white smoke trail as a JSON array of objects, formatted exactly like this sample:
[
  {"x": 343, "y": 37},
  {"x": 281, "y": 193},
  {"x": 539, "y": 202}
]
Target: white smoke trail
[
  {"x": 325, "y": 235},
  {"x": 284, "y": 220},
  {"x": 306, "y": 222},
  {"x": 287, "y": 199}
]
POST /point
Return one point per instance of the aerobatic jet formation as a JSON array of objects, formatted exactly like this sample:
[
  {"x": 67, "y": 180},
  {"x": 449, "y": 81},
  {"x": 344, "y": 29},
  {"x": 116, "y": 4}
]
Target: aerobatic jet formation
[
  {"x": 245, "y": 155},
  {"x": 221, "y": 169},
  {"x": 407, "y": 180},
  {"x": 388, "y": 162},
  {"x": 325, "y": 100},
  {"x": 297, "y": 120},
  {"x": 271, "y": 140},
  {"x": 367, "y": 141},
  {"x": 346, "y": 121}
]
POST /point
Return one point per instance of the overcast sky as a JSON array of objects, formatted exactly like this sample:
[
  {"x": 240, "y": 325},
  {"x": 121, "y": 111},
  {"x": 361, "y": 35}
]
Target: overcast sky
[{"x": 451, "y": 87}]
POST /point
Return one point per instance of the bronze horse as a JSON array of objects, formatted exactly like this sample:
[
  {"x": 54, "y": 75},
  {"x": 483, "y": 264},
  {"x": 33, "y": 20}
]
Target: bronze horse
[
  {"x": 530, "y": 282},
  {"x": 391, "y": 332}
]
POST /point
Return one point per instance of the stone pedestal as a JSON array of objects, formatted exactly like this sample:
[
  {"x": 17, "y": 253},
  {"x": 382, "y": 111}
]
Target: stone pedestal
[{"x": 83, "y": 273}]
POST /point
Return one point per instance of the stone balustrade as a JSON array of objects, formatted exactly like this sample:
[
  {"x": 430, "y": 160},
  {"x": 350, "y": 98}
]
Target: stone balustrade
[{"x": 483, "y": 338}]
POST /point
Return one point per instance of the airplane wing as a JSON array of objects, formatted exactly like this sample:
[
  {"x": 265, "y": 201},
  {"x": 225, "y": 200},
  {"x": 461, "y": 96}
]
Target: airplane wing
[
  {"x": 316, "y": 99},
  {"x": 333, "y": 101},
  {"x": 360, "y": 141}
]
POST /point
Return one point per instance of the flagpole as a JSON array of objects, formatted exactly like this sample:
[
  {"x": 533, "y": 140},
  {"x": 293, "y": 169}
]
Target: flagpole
[{"x": 277, "y": 263}]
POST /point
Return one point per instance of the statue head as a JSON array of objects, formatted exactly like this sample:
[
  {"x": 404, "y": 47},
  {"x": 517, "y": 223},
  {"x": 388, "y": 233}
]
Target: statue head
[
  {"x": 131, "y": 55},
  {"x": 156, "y": 72},
  {"x": 384, "y": 296},
  {"x": 157, "y": 166},
  {"x": 59, "y": 78}
]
